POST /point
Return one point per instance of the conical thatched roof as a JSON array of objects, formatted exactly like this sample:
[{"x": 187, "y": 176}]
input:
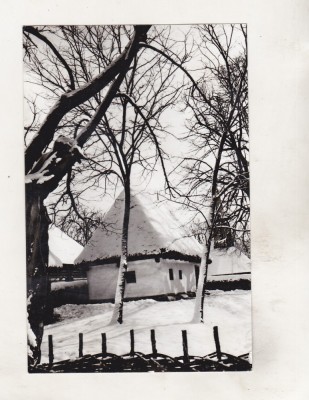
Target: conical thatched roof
[{"x": 153, "y": 228}]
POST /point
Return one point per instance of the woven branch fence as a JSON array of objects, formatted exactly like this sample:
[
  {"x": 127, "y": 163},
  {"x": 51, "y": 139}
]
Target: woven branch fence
[{"x": 136, "y": 361}]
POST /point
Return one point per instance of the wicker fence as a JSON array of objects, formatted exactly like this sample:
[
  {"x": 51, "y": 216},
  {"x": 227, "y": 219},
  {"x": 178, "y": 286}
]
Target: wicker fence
[{"x": 136, "y": 361}]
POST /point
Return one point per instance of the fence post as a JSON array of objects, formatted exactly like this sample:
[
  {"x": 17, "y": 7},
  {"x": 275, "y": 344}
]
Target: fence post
[
  {"x": 50, "y": 349},
  {"x": 185, "y": 346},
  {"x": 103, "y": 344},
  {"x": 217, "y": 342},
  {"x": 80, "y": 347},
  {"x": 132, "y": 342},
  {"x": 153, "y": 342}
]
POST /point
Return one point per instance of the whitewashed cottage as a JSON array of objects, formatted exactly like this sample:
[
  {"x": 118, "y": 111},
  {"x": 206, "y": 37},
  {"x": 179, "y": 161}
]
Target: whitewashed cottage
[{"x": 163, "y": 258}]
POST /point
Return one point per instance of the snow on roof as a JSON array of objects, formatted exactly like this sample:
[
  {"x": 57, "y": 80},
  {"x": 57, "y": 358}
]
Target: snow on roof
[
  {"x": 62, "y": 248},
  {"x": 153, "y": 226},
  {"x": 53, "y": 260}
]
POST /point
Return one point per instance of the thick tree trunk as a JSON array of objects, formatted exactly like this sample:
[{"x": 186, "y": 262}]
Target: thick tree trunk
[
  {"x": 37, "y": 223},
  {"x": 120, "y": 288},
  {"x": 49, "y": 171}
]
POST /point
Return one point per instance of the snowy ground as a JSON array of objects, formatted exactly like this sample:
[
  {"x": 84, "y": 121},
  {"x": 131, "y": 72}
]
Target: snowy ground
[{"x": 230, "y": 311}]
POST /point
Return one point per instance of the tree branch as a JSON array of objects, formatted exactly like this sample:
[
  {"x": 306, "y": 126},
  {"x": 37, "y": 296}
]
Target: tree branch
[
  {"x": 35, "y": 32},
  {"x": 131, "y": 101},
  {"x": 72, "y": 99}
]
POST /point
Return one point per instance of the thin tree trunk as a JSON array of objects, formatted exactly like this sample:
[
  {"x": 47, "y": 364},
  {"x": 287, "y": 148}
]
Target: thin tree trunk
[
  {"x": 120, "y": 288},
  {"x": 198, "y": 314}
]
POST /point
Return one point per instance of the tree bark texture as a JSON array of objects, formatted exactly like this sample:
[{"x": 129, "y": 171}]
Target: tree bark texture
[
  {"x": 121, "y": 282},
  {"x": 198, "y": 314},
  {"x": 37, "y": 263},
  {"x": 52, "y": 166}
]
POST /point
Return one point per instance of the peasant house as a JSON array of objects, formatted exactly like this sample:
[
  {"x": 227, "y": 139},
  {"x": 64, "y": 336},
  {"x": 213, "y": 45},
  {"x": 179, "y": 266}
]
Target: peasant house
[{"x": 162, "y": 258}]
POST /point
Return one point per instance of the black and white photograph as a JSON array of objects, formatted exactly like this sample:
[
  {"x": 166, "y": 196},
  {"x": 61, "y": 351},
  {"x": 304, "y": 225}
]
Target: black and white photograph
[
  {"x": 142, "y": 230},
  {"x": 137, "y": 198}
]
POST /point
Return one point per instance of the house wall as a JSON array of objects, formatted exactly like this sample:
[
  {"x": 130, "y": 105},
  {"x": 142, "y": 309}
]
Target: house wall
[
  {"x": 229, "y": 277},
  {"x": 152, "y": 279},
  {"x": 228, "y": 264}
]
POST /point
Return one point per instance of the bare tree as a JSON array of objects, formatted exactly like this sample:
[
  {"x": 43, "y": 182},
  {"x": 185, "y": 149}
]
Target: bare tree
[
  {"x": 133, "y": 140},
  {"x": 46, "y": 170},
  {"x": 80, "y": 225},
  {"x": 81, "y": 71},
  {"x": 217, "y": 173}
]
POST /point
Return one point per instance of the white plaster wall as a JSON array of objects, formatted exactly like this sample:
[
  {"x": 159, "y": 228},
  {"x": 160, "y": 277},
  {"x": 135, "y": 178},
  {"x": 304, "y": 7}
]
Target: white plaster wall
[
  {"x": 186, "y": 284},
  {"x": 230, "y": 277},
  {"x": 228, "y": 261},
  {"x": 151, "y": 279}
]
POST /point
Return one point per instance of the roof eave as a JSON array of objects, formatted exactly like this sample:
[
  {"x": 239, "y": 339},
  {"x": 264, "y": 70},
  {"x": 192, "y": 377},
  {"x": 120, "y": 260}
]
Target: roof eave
[{"x": 170, "y": 255}]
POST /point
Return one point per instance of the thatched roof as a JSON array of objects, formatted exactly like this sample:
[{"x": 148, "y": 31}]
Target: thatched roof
[
  {"x": 153, "y": 229},
  {"x": 62, "y": 248}
]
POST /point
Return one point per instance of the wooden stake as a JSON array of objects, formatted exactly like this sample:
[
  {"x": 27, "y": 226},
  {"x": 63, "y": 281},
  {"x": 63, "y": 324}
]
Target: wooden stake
[
  {"x": 103, "y": 344},
  {"x": 153, "y": 342},
  {"x": 132, "y": 341},
  {"x": 217, "y": 342},
  {"x": 80, "y": 347},
  {"x": 50, "y": 349},
  {"x": 185, "y": 346}
]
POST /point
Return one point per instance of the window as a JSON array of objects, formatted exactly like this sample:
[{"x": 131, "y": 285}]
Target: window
[
  {"x": 180, "y": 274},
  {"x": 171, "y": 272},
  {"x": 197, "y": 273},
  {"x": 130, "y": 277}
]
